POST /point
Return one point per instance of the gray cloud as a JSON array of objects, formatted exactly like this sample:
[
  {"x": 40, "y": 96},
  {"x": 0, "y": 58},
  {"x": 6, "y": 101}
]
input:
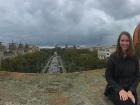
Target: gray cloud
[
  {"x": 67, "y": 21},
  {"x": 120, "y": 9}
]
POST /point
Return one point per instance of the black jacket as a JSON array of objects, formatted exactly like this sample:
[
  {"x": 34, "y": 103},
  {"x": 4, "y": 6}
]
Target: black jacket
[{"x": 121, "y": 73}]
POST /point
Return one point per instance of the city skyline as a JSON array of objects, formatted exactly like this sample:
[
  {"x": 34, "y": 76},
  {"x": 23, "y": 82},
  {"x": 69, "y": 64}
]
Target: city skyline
[{"x": 74, "y": 22}]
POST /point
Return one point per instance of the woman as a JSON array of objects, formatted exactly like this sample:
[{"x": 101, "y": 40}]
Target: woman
[{"x": 122, "y": 73}]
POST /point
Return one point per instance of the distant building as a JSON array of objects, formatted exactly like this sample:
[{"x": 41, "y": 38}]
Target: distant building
[
  {"x": 87, "y": 47},
  {"x": 71, "y": 46},
  {"x": 31, "y": 48},
  {"x": 2, "y": 47},
  {"x": 13, "y": 48},
  {"x": 105, "y": 51},
  {"x": 20, "y": 49}
]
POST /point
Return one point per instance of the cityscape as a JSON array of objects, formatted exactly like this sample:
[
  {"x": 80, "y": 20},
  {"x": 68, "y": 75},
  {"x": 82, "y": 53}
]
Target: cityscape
[
  {"x": 55, "y": 52},
  {"x": 54, "y": 63}
]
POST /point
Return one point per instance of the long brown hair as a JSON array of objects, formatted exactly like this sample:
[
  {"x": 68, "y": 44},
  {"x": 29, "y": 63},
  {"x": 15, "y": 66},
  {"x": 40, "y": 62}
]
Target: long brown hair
[{"x": 130, "y": 51}]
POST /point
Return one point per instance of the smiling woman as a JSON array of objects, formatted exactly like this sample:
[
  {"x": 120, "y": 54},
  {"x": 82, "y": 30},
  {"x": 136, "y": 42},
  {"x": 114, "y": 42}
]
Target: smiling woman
[
  {"x": 124, "y": 43},
  {"x": 122, "y": 73}
]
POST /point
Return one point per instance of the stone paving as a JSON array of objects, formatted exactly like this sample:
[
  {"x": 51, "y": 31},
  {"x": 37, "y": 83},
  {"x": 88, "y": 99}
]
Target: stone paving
[{"x": 79, "y": 88}]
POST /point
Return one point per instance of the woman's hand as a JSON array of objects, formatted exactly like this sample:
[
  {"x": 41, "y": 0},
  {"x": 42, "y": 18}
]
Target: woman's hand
[
  {"x": 131, "y": 96},
  {"x": 123, "y": 95}
]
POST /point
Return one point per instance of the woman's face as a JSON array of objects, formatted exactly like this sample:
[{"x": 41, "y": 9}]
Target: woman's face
[{"x": 124, "y": 42}]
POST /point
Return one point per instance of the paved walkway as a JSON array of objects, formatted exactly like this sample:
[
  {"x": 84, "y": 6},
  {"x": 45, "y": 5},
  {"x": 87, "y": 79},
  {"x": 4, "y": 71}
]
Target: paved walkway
[{"x": 81, "y": 88}]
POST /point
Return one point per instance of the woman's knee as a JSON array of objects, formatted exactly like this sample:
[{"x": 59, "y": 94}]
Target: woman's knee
[{"x": 127, "y": 102}]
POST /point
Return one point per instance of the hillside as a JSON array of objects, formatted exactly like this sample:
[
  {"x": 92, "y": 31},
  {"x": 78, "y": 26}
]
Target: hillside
[{"x": 79, "y": 88}]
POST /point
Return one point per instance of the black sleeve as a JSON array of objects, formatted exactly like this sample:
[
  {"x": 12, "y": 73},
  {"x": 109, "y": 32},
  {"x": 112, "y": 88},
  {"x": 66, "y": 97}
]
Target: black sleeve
[
  {"x": 137, "y": 77},
  {"x": 109, "y": 76}
]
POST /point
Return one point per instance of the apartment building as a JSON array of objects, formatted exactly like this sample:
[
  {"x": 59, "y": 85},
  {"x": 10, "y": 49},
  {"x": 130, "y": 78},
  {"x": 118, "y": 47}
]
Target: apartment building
[{"x": 105, "y": 51}]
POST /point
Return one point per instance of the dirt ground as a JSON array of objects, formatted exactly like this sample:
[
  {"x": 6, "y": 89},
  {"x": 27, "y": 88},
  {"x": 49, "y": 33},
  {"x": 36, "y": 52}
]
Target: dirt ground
[{"x": 79, "y": 88}]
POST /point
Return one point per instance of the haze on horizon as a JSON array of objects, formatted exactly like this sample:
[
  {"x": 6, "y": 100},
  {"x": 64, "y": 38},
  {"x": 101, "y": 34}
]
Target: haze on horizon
[{"x": 50, "y": 22}]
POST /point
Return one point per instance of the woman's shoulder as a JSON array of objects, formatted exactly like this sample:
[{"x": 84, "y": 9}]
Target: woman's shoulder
[{"x": 113, "y": 55}]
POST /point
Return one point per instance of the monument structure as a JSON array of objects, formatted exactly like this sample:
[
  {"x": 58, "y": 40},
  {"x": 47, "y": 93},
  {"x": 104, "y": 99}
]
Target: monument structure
[{"x": 136, "y": 39}]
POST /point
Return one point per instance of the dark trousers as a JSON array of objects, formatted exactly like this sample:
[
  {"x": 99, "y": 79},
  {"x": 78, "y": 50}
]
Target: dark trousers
[{"x": 115, "y": 98}]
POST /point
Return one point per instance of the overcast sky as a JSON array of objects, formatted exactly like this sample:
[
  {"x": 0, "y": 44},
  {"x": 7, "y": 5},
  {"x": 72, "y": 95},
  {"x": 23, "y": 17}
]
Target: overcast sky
[{"x": 50, "y": 22}]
